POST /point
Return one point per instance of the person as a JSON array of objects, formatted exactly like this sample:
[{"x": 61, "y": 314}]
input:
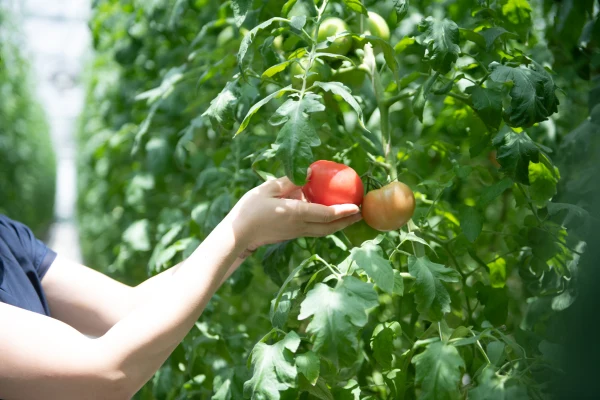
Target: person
[{"x": 70, "y": 332}]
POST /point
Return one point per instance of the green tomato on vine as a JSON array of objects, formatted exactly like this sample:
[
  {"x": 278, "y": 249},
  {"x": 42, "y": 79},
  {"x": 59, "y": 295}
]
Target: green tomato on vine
[{"x": 331, "y": 27}]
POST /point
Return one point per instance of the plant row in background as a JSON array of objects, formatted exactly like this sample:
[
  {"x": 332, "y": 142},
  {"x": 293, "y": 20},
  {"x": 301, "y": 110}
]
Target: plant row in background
[
  {"x": 27, "y": 161},
  {"x": 486, "y": 109}
]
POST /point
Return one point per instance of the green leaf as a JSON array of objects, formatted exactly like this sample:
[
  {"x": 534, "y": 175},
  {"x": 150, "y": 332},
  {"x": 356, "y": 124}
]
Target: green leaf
[
  {"x": 295, "y": 140},
  {"x": 281, "y": 307},
  {"x": 497, "y": 273},
  {"x": 432, "y": 298},
  {"x": 471, "y": 222},
  {"x": 543, "y": 183},
  {"x": 488, "y": 105},
  {"x": 250, "y": 36},
  {"x": 491, "y": 192},
  {"x": 254, "y": 109},
  {"x": 438, "y": 372},
  {"x": 287, "y": 7},
  {"x": 356, "y": 6},
  {"x": 272, "y": 368},
  {"x": 240, "y": 9},
  {"x": 222, "y": 108},
  {"x": 515, "y": 152},
  {"x": 309, "y": 365},
  {"x": 369, "y": 258},
  {"x": 344, "y": 92},
  {"x": 382, "y": 342},
  {"x": 319, "y": 390},
  {"x": 518, "y": 12},
  {"x": 421, "y": 96},
  {"x": 401, "y": 7},
  {"x": 532, "y": 94},
  {"x": 275, "y": 69},
  {"x": 555, "y": 208},
  {"x": 137, "y": 235},
  {"x": 441, "y": 39},
  {"x": 389, "y": 53},
  {"x": 297, "y": 22},
  {"x": 338, "y": 313},
  {"x": 495, "y": 352},
  {"x": 497, "y": 387},
  {"x": 490, "y": 35},
  {"x": 398, "y": 283}
]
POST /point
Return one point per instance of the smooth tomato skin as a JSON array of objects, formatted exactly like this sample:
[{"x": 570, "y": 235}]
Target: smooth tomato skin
[
  {"x": 331, "y": 183},
  {"x": 331, "y": 27},
  {"x": 389, "y": 208}
]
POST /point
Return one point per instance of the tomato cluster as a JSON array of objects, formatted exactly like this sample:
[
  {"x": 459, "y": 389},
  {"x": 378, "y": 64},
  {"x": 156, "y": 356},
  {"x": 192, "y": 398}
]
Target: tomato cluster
[{"x": 384, "y": 209}]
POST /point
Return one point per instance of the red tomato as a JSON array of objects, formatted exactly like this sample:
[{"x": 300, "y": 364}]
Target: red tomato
[
  {"x": 388, "y": 208},
  {"x": 332, "y": 183}
]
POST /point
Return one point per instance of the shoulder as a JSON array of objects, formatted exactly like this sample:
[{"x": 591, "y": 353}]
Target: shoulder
[{"x": 14, "y": 232}]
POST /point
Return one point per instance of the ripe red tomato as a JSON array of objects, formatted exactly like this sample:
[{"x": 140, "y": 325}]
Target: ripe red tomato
[
  {"x": 389, "y": 208},
  {"x": 332, "y": 183}
]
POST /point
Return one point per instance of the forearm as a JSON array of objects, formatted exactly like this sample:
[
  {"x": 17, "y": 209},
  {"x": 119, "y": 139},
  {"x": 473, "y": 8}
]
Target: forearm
[
  {"x": 146, "y": 290},
  {"x": 142, "y": 340}
]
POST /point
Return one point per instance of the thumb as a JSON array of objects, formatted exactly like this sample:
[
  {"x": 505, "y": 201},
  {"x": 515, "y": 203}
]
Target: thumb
[{"x": 281, "y": 187}]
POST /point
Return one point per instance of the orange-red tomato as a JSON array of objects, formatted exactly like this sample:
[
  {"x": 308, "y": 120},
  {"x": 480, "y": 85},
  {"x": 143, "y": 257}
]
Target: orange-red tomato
[
  {"x": 389, "y": 208},
  {"x": 332, "y": 183}
]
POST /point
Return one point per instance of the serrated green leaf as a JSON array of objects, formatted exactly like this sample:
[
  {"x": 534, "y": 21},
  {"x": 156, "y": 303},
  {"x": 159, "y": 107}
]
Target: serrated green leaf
[
  {"x": 382, "y": 346},
  {"x": 401, "y": 8},
  {"x": 514, "y": 153},
  {"x": 338, "y": 314},
  {"x": 369, "y": 258},
  {"x": 543, "y": 183},
  {"x": 488, "y": 105},
  {"x": 432, "y": 298},
  {"x": 441, "y": 39},
  {"x": 345, "y": 92},
  {"x": 254, "y": 109},
  {"x": 222, "y": 108},
  {"x": 240, "y": 9},
  {"x": 356, "y": 6},
  {"x": 517, "y": 11},
  {"x": 491, "y": 192},
  {"x": 249, "y": 37},
  {"x": 555, "y": 208},
  {"x": 497, "y": 387},
  {"x": 490, "y": 35},
  {"x": 532, "y": 94},
  {"x": 273, "y": 370},
  {"x": 471, "y": 222},
  {"x": 309, "y": 365},
  {"x": 438, "y": 372}
]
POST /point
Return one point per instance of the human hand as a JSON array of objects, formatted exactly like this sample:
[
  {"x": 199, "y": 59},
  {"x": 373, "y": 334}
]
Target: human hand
[{"x": 277, "y": 211}]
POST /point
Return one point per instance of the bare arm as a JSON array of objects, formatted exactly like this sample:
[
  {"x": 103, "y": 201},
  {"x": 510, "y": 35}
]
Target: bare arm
[
  {"x": 45, "y": 358},
  {"x": 92, "y": 302}
]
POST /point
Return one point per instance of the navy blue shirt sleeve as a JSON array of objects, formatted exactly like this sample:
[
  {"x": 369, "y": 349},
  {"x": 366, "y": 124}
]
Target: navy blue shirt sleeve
[
  {"x": 40, "y": 256},
  {"x": 24, "y": 260}
]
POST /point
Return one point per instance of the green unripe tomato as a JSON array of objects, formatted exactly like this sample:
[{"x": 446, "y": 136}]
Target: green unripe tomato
[
  {"x": 318, "y": 72},
  {"x": 375, "y": 26},
  {"x": 228, "y": 34},
  {"x": 331, "y": 27}
]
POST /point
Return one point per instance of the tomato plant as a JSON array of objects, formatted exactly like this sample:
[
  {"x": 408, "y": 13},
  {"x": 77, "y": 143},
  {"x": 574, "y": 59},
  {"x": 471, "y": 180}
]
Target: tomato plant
[
  {"x": 464, "y": 301},
  {"x": 27, "y": 160},
  {"x": 333, "y": 183}
]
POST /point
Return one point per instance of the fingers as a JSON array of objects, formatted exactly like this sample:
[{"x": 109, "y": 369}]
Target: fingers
[
  {"x": 280, "y": 187},
  {"x": 318, "y": 230},
  {"x": 317, "y": 213}
]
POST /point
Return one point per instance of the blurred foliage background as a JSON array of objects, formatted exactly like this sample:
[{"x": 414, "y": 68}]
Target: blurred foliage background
[{"x": 27, "y": 159}]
